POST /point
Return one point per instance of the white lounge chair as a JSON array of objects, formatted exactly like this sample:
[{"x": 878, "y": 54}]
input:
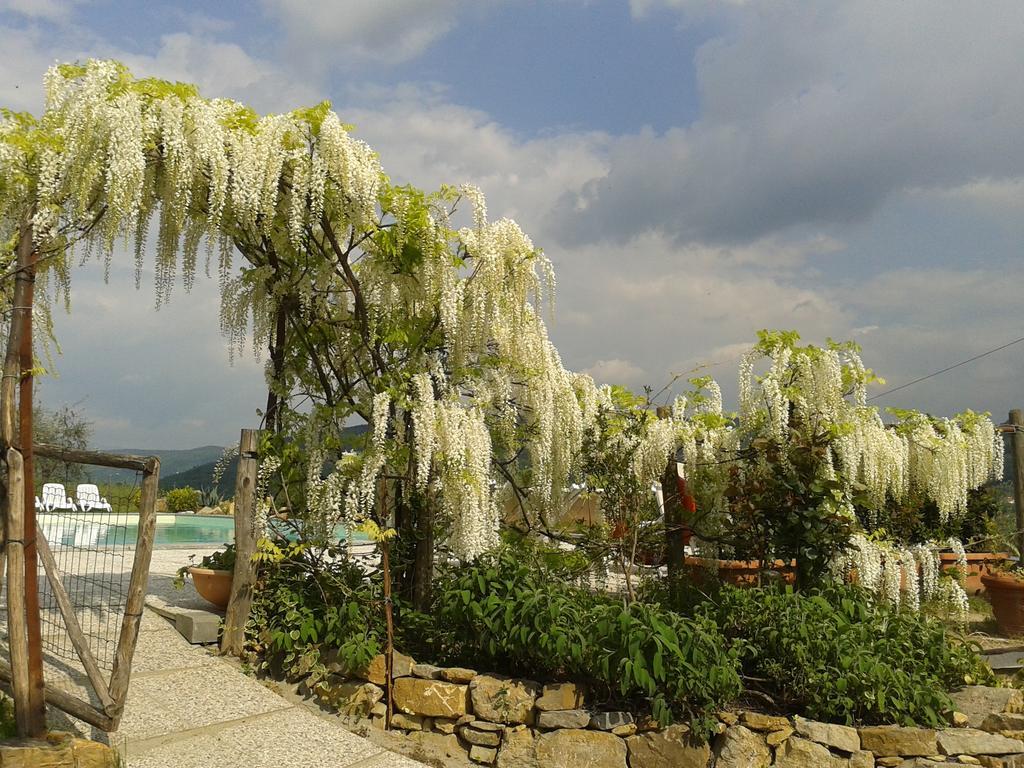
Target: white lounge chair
[
  {"x": 55, "y": 497},
  {"x": 88, "y": 497}
]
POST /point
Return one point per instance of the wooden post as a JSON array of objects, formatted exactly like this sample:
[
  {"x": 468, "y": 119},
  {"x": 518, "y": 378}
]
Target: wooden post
[
  {"x": 17, "y": 378},
  {"x": 675, "y": 546},
  {"x": 24, "y": 295},
  {"x": 1017, "y": 446},
  {"x": 389, "y": 647},
  {"x": 232, "y": 641},
  {"x": 389, "y": 620},
  {"x": 16, "y": 629}
]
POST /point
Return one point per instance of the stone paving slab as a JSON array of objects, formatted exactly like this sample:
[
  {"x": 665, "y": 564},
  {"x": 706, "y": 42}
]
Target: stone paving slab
[
  {"x": 160, "y": 651},
  {"x": 183, "y": 698},
  {"x": 293, "y": 737}
]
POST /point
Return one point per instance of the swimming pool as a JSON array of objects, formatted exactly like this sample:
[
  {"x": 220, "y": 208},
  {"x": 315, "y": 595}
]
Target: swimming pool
[{"x": 117, "y": 530}]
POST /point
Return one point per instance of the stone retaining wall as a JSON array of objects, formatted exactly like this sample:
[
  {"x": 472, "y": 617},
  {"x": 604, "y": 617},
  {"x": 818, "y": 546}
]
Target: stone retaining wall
[
  {"x": 515, "y": 723},
  {"x": 57, "y": 750}
]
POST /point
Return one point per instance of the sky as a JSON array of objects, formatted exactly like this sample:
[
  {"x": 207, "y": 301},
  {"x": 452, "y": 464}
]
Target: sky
[{"x": 695, "y": 169}]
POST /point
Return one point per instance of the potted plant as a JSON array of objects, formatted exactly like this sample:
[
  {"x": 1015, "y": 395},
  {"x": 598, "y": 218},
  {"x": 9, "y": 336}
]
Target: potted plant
[
  {"x": 985, "y": 546},
  {"x": 1005, "y": 591},
  {"x": 212, "y": 575}
]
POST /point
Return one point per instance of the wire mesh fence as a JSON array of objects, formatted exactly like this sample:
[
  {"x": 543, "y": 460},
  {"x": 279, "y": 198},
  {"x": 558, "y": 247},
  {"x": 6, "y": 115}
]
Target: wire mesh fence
[
  {"x": 93, "y": 551},
  {"x": 93, "y": 567}
]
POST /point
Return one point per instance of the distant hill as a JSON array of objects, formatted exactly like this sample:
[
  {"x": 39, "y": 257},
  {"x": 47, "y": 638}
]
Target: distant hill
[
  {"x": 194, "y": 466},
  {"x": 202, "y": 477},
  {"x": 171, "y": 462}
]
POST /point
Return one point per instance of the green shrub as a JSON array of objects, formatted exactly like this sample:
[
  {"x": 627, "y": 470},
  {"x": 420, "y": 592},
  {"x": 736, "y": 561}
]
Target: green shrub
[
  {"x": 8, "y": 726},
  {"x": 309, "y": 605},
  {"x": 506, "y": 615},
  {"x": 182, "y": 499},
  {"x": 836, "y": 656},
  {"x": 917, "y": 519}
]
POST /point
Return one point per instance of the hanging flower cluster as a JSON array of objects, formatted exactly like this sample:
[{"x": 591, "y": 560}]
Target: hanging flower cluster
[
  {"x": 480, "y": 383},
  {"x": 494, "y": 385},
  {"x": 787, "y": 390},
  {"x": 904, "y": 576},
  {"x": 115, "y": 151},
  {"x": 817, "y": 389},
  {"x": 949, "y": 457},
  {"x": 463, "y": 379}
]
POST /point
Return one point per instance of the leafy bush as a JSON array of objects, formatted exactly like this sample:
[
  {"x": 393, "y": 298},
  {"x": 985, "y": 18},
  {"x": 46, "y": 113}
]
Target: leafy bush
[
  {"x": 831, "y": 654},
  {"x": 782, "y": 504},
  {"x": 311, "y": 606},
  {"x": 182, "y": 499},
  {"x": 506, "y": 615},
  {"x": 836, "y": 656},
  {"x": 917, "y": 519},
  {"x": 8, "y": 726}
]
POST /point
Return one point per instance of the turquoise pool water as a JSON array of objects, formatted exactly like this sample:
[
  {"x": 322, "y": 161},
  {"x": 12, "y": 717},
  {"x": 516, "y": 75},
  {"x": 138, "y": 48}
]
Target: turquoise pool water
[{"x": 115, "y": 530}]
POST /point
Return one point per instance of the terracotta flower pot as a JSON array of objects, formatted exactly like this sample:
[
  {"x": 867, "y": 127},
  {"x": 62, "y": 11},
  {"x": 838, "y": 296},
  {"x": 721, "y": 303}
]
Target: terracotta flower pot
[
  {"x": 214, "y": 586},
  {"x": 739, "y": 573},
  {"x": 978, "y": 564},
  {"x": 1006, "y": 593}
]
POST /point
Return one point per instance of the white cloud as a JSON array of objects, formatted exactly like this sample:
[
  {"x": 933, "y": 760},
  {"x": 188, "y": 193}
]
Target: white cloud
[
  {"x": 427, "y": 141},
  {"x": 815, "y": 116},
  {"x": 222, "y": 69},
  {"x": 643, "y": 309},
  {"x": 616, "y": 371},
  {"x": 22, "y": 66},
  {"x": 333, "y": 33},
  {"x": 998, "y": 195},
  {"x": 672, "y": 248},
  {"x": 642, "y": 8},
  {"x": 57, "y": 11}
]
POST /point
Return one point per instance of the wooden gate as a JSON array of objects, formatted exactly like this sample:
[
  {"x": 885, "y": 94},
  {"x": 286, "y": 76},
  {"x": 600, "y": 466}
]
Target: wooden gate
[{"x": 92, "y": 589}]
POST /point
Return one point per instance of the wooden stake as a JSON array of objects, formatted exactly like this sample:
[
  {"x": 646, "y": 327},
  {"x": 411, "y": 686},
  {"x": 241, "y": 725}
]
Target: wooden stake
[
  {"x": 243, "y": 582},
  {"x": 16, "y": 629},
  {"x": 25, "y": 291},
  {"x": 1017, "y": 446},
  {"x": 9, "y": 393},
  {"x": 675, "y": 546},
  {"x": 389, "y": 648}
]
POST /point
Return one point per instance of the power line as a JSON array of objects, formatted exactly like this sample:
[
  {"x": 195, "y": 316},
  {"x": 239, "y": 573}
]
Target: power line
[{"x": 949, "y": 368}]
